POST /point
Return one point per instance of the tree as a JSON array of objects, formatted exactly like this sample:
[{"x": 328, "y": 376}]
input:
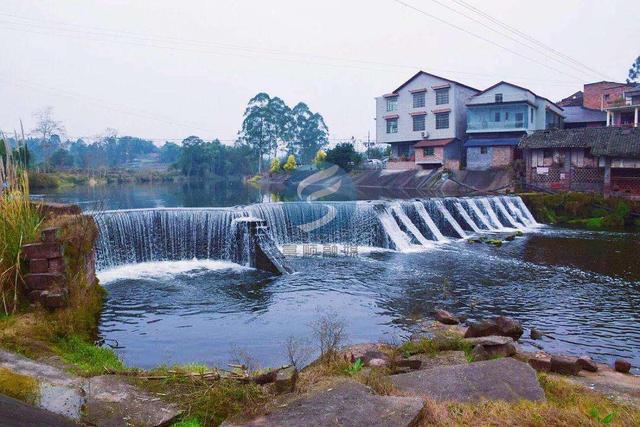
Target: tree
[
  {"x": 169, "y": 152},
  {"x": 345, "y": 156},
  {"x": 61, "y": 159},
  {"x": 290, "y": 165},
  {"x": 310, "y": 133},
  {"x": 319, "y": 158},
  {"x": 257, "y": 126},
  {"x": 634, "y": 72},
  {"x": 46, "y": 127}
]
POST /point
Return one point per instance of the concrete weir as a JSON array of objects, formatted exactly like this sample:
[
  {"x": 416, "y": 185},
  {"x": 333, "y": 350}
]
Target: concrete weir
[{"x": 265, "y": 253}]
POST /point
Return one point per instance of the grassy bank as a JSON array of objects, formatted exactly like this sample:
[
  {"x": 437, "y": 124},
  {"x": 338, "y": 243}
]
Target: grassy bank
[
  {"x": 52, "y": 180},
  {"x": 585, "y": 210}
]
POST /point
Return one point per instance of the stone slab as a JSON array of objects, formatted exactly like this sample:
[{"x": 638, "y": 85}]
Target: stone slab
[
  {"x": 502, "y": 379},
  {"x": 42, "y": 281},
  {"x": 14, "y": 413},
  {"x": 488, "y": 340},
  {"x": 347, "y": 404},
  {"x": 42, "y": 250},
  {"x": 112, "y": 402}
]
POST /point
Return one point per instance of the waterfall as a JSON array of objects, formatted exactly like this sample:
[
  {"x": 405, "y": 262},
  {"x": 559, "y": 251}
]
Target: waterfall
[
  {"x": 447, "y": 215},
  {"x": 410, "y": 226},
  {"x": 466, "y": 216},
  {"x": 172, "y": 234},
  {"x": 424, "y": 216},
  {"x": 471, "y": 203}
]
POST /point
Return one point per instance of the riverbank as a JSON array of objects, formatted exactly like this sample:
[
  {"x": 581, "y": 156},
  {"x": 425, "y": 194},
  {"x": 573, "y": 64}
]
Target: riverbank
[
  {"x": 584, "y": 210},
  {"x": 60, "y": 179}
]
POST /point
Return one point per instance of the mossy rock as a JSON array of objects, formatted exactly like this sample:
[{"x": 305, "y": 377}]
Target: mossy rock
[{"x": 18, "y": 386}]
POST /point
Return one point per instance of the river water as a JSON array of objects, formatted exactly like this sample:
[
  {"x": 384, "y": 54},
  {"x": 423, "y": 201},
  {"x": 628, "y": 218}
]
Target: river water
[{"x": 581, "y": 287}]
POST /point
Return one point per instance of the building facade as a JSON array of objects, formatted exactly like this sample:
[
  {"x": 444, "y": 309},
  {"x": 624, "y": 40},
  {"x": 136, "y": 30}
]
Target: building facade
[
  {"x": 427, "y": 110},
  {"x": 498, "y": 117},
  {"x": 623, "y": 107}
]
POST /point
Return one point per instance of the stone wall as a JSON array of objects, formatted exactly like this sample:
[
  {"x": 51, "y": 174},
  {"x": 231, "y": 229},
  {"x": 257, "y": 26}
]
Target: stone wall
[{"x": 64, "y": 257}]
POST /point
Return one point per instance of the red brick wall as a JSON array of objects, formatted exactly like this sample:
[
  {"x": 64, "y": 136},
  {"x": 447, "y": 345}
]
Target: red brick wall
[
  {"x": 438, "y": 155},
  {"x": 594, "y": 92},
  {"x": 502, "y": 156}
]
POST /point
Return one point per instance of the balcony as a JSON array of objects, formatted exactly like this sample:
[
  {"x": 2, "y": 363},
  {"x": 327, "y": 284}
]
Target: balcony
[{"x": 497, "y": 118}]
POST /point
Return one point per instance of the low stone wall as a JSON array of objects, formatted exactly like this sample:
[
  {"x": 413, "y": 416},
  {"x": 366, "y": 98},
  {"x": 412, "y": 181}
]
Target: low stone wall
[{"x": 64, "y": 256}]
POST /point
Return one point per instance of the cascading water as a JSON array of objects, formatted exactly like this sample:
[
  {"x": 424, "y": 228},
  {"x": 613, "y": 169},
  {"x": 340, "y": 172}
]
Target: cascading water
[{"x": 145, "y": 235}]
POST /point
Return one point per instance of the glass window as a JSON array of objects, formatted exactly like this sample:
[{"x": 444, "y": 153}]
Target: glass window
[
  {"x": 392, "y": 125},
  {"x": 418, "y": 100},
  {"x": 496, "y": 116},
  {"x": 532, "y": 116},
  {"x": 442, "y": 120},
  {"x": 484, "y": 150},
  {"x": 392, "y": 104},
  {"x": 418, "y": 123},
  {"x": 428, "y": 151},
  {"x": 519, "y": 120},
  {"x": 498, "y": 97},
  {"x": 442, "y": 96}
]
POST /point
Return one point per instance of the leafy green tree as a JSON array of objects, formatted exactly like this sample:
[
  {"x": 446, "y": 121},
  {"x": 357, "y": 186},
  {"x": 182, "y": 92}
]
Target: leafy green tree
[
  {"x": 634, "y": 72},
  {"x": 290, "y": 165},
  {"x": 61, "y": 159},
  {"x": 275, "y": 166},
  {"x": 345, "y": 156},
  {"x": 310, "y": 133},
  {"x": 169, "y": 152}
]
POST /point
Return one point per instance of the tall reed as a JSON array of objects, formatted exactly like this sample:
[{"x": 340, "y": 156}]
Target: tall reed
[{"x": 19, "y": 222}]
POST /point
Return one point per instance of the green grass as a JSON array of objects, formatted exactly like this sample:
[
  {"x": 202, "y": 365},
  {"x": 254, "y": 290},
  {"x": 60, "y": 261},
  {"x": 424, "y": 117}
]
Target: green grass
[
  {"x": 441, "y": 342},
  {"x": 188, "y": 422},
  {"x": 88, "y": 359}
]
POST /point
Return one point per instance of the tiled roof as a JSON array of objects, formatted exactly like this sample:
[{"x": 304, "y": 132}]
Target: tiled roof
[
  {"x": 574, "y": 100},
  {"x": 434, "y": 143},
  {"x": 603, "y": 141}
]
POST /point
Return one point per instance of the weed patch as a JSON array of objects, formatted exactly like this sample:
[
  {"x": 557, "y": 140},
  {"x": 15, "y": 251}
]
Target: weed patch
[{"x": 18, "y": 386}]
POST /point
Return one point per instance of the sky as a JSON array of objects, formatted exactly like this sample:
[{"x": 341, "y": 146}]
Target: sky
[{"x": 165, "y": 70}]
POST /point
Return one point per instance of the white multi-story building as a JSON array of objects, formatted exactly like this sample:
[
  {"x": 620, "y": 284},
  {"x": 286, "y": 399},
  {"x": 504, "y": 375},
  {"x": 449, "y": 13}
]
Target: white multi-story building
[{"x": 424, "y": 121}]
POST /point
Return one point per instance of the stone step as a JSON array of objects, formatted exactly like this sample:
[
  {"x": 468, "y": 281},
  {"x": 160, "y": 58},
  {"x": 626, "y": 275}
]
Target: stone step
[
  {"x": 42, "y": 250},
  {"x": 43, "y": 281},
  {"x": 346, "y": 404},
  {"x": 501, "y": 379}
]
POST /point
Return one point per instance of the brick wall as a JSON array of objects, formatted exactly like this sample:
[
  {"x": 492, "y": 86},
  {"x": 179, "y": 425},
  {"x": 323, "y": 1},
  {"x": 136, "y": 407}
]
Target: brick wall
[
  {"x": 594, "y": 93},
  {"x": 502, "y": 157},
  {"x": 438, "y": 155}
]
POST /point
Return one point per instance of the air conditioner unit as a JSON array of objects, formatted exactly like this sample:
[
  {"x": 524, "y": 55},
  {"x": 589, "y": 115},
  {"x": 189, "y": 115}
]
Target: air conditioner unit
[{"x": 425, "y": 135}]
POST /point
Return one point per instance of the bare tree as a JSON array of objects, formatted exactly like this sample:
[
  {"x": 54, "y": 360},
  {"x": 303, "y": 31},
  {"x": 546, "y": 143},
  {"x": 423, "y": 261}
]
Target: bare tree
[
  {"x": 298, "y": 351},
  {"x": 329, "y": 331},
  {"x": 46, "y": 127}
]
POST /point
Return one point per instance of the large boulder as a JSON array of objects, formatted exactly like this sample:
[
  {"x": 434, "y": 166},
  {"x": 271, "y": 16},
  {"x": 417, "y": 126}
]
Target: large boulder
[
  {"x": 565, "y": 365},
  {"x": 501, "y": 325},
  {"x": 491, "y": 347},
  {"x": 447, "y": 318},
  {"x": 622, "y": 365},
  {"x": 587, "y": 364},
  {"x": 502, "y": 379},
  {"x": 346, "y": 404}
]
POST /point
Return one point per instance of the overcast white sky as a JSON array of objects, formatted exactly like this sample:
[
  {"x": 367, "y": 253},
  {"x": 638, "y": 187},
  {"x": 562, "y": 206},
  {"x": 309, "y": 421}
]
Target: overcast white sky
[{"x": 166, "y": 69}]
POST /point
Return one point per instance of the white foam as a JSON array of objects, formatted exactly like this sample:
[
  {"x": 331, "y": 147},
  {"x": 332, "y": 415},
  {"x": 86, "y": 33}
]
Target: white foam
[{"x": 159, "y": 269}]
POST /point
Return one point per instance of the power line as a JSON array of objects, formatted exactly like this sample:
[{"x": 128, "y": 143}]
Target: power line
[
  {"x": 581, "y": 68},
  {"x": 178, "y": 44},
  {"x": 464, "y": 30},
  {"x": 527, "y": 37}
]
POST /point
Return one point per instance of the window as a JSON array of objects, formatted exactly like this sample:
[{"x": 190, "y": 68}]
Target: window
[
  {"x": 392, "y": 125},
  {"x": 428, "y": 151},
  {"x": 484, "y": 150},
  {"x": 506, "y": 116},
  {"x": 442, "y": 96},
  {"x": 532, "y": 116},
  {"x": 418, "y": 122},
  {"x": 519, "y": 120},
  {"x": 418, "y": 100},
  {"x": 498, "y": 97},
  {"x": 392, "y": 104},
  {"x": 496, "y": 116},
  {"x": 442, "y": 120}
]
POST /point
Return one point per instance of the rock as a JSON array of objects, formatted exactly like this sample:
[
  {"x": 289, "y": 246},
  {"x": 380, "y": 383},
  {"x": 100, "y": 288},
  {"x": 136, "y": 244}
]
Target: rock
[
  {"x": 509, "y": 327},
  {"x": 286, "y": 380},
  {"x": 347, "y": 404},
  {"x": 540, "y": 364},
  {"x": 502, "y": 379},
  {"x": 441, "y": 358},
  {"x": 488, "y": 352},
  {"x": 536, "y": 334},
  {"x": 587, "y": 364},
  {"x": 447, "y": 318},
  {"x": 482, "y": 329},
  {"x": 15, "y": 413},
  {"x": 491, "y": 340},
  {"x": 358, "y": 351},
  {"x": 565, "y": 365},
  {"x": 410, "y": 363},
  {"x": 375, "y": 358},
  {"x": 622, "y": 365},
  {"x": 112, "y": 402}
]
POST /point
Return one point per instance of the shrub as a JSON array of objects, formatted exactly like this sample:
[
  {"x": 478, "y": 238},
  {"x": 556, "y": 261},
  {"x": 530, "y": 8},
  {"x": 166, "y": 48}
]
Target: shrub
[
  {"x": 320, "y": 157},
  {"x": 290, "y": 165},
  {"x": 41, "y": 181},
  {"x": 275, "y": 166}
]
